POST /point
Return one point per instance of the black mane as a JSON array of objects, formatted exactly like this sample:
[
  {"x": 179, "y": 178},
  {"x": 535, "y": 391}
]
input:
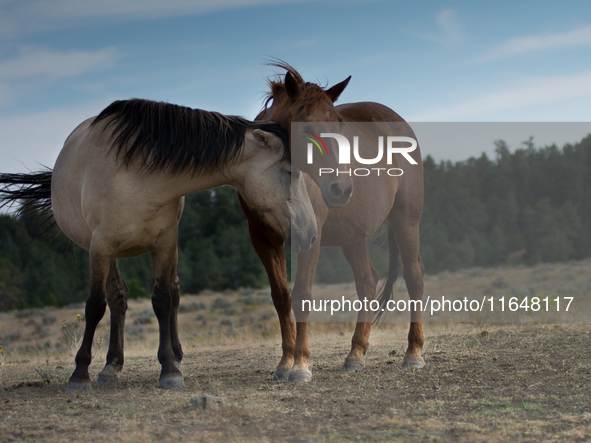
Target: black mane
[{"x": 176, "y": 138}]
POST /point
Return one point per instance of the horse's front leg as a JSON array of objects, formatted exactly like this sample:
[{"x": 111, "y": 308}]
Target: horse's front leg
[
  {"x": 366, "y": 279},
  {"x": 269, "y": 248},
  {"x": 273, "y": 260},
  {"x": 302, "y": 291}
]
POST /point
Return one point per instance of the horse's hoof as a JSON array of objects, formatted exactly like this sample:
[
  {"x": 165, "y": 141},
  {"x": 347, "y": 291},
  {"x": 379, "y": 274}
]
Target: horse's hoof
[
  {"x": 300, "y": 376},
  {"x": 413, "y": 363},
  {"x": 107, "y": 381},
  {"x": 107, "y": 377},
  {"x": 80, "y": 385},
  {"x": 175, "y": 382},
  {"x": 281, "y": 375},
  {"x": 352, "y": 366}
]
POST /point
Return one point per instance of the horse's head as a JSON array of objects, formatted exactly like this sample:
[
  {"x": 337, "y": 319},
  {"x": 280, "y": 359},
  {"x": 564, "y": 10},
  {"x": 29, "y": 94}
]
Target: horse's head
[
  {"x": 294, "y": 100},
  {"x": 275, "y": 194}
]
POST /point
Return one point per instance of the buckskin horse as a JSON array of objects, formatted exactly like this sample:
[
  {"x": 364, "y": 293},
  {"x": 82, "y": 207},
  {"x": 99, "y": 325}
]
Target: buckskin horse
[
  {"x": 117, "y": 190},
  {"x": 348, "y": 210}
]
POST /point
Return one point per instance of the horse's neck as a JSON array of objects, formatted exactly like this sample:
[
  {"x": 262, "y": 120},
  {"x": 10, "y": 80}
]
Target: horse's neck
[{"x": 185, "y": 184}]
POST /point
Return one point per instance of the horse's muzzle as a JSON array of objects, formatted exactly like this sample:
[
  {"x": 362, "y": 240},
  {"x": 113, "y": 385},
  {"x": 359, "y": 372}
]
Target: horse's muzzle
[
  {"x": 298, "y": 242},
  {"x": 335, "y": 195}
]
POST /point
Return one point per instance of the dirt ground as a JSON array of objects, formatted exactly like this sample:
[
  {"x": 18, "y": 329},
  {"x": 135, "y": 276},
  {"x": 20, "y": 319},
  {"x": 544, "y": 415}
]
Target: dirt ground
[{"x": 482, "y": 382}]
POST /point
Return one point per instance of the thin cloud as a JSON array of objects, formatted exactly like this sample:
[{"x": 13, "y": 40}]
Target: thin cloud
[
  {"x": 141, "y": 8},
  {"x": 449, "y": 26},
  {"x": 540, "y": 91},
  {"x": 33, "y": 62},
  {"x": 448, "y": 30},
  {"x": 31, "y": 16},
  {"x": 304, "y": 43},
  {"x": 539, "y": 43}
]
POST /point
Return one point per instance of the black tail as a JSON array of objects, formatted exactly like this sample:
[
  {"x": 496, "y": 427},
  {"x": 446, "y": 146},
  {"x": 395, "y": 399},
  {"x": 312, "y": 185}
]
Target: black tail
[
  {"x": 31, "y": 191},
  {"x": 387, "y": 289}
]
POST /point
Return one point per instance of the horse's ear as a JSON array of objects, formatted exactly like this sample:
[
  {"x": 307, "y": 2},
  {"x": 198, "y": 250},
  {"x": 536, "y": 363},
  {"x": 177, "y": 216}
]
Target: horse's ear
[
  {"x": 267, "y": 139},
  {"x": 291, "y": 85},
  {"x": 334, "y": 92}
]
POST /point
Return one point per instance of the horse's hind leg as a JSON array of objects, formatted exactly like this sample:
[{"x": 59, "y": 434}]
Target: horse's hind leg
[
  {"x": 95, "y": 309},
  {"x": 407, "y": 237},
  {"x": 366, "y": 279},
  {"x": 175, "y": 299},
  {"x": 117, "y": 300},
  {"x": 164, "y": 263}
]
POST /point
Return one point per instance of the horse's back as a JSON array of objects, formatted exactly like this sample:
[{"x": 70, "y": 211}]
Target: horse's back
[
  {"x": 371, "y": 112},
  {"x": 411, "y": 187},
  {"x": 368, "y": 112}
]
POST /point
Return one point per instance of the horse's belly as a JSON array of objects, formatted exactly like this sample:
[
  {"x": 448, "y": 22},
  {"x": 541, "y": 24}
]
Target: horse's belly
[{"x": 132, "y": 252}]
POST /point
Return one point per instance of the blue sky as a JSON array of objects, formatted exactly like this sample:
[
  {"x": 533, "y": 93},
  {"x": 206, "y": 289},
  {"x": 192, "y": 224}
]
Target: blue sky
[{"x": 62, "y": 61}]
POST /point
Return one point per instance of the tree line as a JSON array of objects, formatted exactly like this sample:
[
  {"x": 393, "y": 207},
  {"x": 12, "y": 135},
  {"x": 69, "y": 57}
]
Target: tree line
[
  {"x": 533, "y": 204},
  {"x": 481, "y": 211}
]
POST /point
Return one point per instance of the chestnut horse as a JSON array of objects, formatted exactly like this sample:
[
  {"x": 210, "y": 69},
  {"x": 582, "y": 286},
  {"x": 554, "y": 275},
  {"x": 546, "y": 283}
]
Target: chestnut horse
[
  {"x": 117, "y": 190},
  {"x": 348, "y": 212}
]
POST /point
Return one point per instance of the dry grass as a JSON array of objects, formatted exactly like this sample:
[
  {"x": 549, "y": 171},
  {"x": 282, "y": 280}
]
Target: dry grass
[{"x": 483, "y": 382}]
